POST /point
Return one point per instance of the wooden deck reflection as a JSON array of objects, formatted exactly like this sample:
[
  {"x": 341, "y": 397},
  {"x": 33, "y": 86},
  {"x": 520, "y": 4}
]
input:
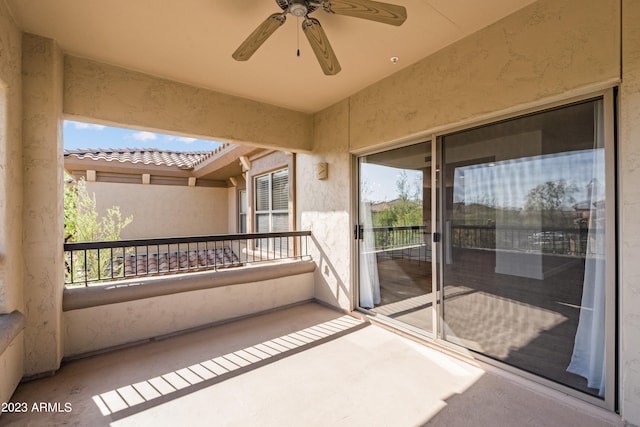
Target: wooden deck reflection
[
  {"x": 405, "y": 288},
  {"x": 525, "y": 322}
]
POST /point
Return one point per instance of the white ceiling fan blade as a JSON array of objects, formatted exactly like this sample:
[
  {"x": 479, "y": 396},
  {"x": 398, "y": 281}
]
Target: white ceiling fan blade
[
  {"x": 258, "y": 37},
  {"x": 368, "y": 9},
  {"x": 321, "y": 46}
]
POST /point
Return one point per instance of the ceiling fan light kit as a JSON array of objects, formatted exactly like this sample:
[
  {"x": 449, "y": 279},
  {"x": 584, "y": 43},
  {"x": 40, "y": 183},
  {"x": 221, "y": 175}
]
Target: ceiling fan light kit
[
  {"x": 298, "y": 9},
  {"x": 365, "y": 9}
]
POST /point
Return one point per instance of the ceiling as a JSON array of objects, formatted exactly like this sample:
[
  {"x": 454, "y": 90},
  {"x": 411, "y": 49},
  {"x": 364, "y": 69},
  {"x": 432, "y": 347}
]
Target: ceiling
[{"x": 191, "y": 41}]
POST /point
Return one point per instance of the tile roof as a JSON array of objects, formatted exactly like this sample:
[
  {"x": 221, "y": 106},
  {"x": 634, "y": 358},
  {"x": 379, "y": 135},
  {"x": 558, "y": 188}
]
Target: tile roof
[
  {"x": 174, "y": 262},
  {"x": 147, "y": 156}
]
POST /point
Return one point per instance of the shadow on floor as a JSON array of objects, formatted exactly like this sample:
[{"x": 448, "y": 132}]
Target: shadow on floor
[
  {"x": 303, "y": 366},
  {"x": 122, "y": 383}
]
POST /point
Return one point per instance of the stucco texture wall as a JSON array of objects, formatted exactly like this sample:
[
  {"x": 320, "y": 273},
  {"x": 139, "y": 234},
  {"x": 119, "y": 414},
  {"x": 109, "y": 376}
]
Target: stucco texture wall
[
  {"x": 324, "y": 205},
  {"x": 111, "y": 325},
  {"x": 547, "y": 49},
  {"x": 11, "y": 261},
  {"x": 115, "y": 95},
  {"x": 629, "y": 205},
  {"x": 10, "y": 164},
  {"x": 164, "y": 210},
  {"x": 42, "y": 74}
]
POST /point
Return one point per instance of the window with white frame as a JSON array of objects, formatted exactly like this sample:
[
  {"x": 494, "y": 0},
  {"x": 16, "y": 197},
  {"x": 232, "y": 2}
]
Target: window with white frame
[
  {"x": 242, "y": 211},
  {"x": 272, "y": 202}
]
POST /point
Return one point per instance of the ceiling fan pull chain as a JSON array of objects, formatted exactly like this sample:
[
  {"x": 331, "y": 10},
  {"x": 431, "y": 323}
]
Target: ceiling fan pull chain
[{"x": 298, "y": 35}]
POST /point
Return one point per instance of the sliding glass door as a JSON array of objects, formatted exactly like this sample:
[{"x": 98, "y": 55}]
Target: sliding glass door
[
  {"x": 395, "y": 234},
  {"x": 524, "y": 267},
  {"x": 525, "y": 243}
]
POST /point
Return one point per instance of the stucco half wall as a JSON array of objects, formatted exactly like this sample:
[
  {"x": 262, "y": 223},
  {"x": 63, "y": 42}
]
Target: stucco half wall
[
  {"x": 106, "y": 326},
  {"x": 11, "y": 351}
]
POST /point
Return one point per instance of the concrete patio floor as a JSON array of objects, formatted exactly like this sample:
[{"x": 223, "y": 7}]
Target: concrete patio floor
[{"x": 302, "y": 366}]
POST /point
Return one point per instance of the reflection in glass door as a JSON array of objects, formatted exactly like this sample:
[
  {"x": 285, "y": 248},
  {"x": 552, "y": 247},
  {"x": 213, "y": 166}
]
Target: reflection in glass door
[
  {"x": 395, "y": 234},
  {"x": 526, "y": 242}
]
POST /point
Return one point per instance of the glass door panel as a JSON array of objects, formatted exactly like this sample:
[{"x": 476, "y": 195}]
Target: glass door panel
[
  {"x": 395, "y": 234},
  {"x": 524, "y": 243}
]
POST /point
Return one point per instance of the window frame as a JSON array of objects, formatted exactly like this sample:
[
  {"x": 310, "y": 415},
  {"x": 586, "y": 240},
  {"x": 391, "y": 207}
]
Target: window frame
[
  {"x": 243, "y": 210},
  {"x": 270, "y": 211}
]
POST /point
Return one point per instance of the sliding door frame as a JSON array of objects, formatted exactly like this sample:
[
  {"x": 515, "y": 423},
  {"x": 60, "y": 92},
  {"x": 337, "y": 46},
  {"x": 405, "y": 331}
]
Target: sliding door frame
[{"x": 610, "y": 400}]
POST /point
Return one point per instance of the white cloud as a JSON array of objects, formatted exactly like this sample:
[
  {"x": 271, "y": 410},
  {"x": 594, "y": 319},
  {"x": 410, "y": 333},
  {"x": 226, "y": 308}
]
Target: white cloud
[
  {"x": 85, "y": 126},
  {"x": 144, "y": 136},
  {"x": 186, "y": 139}
]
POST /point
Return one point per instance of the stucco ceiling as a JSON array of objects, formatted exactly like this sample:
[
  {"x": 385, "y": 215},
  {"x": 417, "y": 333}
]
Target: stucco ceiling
[{"x": 191, "y": 41}]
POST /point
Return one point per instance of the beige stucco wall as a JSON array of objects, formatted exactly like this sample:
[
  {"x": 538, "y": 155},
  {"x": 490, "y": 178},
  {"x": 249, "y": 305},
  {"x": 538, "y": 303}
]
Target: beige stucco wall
[
  {"x": 629, "y": 172},
  {"x": 324, "y": 206},
  {"x": 115, "y": 95},
  {"x": 11, "y": 261},
  {"x": 10, "y": 165},
  {"x": 11, "y": 365},
  {"x": 164, "y": 210},
  {"x": 547, "y": 49},
  {"x": 107, "y": 326},
  {"x": 42, "y": 74}
]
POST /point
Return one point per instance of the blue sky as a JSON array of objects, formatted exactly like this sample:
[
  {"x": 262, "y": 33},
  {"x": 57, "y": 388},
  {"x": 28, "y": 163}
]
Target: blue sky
[
  {"x": 380, "y": 183},
  {"x": 507, "y": 183},
  {"x": 88, "y": 135}
]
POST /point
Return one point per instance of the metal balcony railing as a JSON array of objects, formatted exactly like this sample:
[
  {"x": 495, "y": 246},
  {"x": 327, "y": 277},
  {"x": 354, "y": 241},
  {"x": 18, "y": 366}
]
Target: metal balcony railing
[
  {"x": 408, "y": 241},
  {"x": 93, "y": 262},
  {"x": 550, "y": 240},
  {"x": 387, "y": 238}
]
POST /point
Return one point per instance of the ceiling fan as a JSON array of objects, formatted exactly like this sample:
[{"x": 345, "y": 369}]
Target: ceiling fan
[{"x": 366, "y": 9}]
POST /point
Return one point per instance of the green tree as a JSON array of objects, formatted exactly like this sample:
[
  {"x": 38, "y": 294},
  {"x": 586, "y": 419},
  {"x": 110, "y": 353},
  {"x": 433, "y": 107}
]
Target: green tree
[
  {"x": 405, "y": 210},
  {"x": 408, "y": 207},
  {"x": 82, "y": 223},
  {"x": 549, "y": 198}
]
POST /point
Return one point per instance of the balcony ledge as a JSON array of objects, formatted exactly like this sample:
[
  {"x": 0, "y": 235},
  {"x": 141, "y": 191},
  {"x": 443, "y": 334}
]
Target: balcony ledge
[
  {"x": 11, "y": 325},
  {"x": 136, "y": 289}
]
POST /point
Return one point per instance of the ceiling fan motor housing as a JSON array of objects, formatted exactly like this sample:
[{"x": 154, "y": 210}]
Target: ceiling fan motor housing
[{"x": 297, "y": 8}]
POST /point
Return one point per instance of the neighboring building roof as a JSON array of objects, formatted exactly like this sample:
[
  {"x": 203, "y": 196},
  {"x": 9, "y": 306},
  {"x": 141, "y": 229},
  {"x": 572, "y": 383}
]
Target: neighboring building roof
[
  {"x": 130, "y": 164},
  {"x": 146, "y": 156},
  {"x": 383, "y": 206}
]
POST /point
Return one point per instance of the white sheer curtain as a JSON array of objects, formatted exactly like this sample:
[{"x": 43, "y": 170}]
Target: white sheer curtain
[
  {"x": 588, "y": 359},
  {"x": 369, "y": 281}
]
